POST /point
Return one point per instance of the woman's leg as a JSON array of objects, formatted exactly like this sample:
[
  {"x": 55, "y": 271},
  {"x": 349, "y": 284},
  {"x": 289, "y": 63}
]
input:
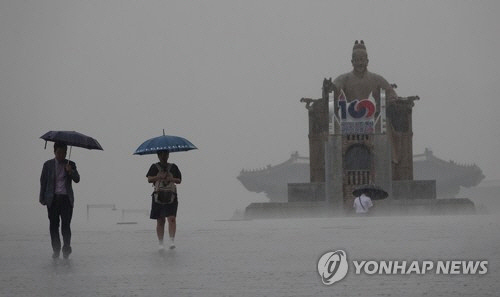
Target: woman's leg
[
  {"x": 172, "y": 226},
  {"x": 160, "y": 229}
]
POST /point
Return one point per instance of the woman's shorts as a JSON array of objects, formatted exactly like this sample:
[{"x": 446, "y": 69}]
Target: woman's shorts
[{"x": 160, "y": 211}]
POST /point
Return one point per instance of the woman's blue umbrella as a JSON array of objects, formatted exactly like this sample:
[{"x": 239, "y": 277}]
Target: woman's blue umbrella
[{"x": 167, "y": 143}]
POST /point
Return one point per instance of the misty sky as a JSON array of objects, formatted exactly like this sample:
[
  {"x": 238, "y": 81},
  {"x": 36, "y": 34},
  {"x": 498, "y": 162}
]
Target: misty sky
[{"x": 227, "y": 75}]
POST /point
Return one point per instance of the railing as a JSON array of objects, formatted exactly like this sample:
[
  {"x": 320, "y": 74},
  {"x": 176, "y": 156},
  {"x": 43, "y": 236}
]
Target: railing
[
  {"x": 89, "y": 206},
  {"x": 358, "y": 177},
  {"x": 357, "y": 137},
  {"x": 126, "y": 211}
]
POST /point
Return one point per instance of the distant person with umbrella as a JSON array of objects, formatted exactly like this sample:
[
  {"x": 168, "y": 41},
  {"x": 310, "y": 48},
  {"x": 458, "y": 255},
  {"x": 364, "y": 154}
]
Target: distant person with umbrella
[
  {"x": 364, "y": 195},
  {"x": 56, "y": 192},
  {"x": 164, "y": 176},
  {"x": 363, "y": 203}
]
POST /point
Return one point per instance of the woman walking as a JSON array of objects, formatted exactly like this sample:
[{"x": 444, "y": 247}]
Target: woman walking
[{"x": 164, "y": 176}]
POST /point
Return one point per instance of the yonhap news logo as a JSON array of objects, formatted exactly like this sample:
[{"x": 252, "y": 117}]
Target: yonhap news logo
[
  {"x": 333, "y": 267},
  {"x": 448, "y": 267}
]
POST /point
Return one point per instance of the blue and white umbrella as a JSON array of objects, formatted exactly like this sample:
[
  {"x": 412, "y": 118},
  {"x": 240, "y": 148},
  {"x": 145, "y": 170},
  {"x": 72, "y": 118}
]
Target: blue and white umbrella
[{"x": 167, "y": 143}]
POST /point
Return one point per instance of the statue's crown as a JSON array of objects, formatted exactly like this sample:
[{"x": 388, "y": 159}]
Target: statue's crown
[{"x": 359, "y": 45}]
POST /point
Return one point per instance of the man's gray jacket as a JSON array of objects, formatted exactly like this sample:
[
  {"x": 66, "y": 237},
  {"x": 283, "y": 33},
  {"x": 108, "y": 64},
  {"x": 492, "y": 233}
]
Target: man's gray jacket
[{"x": 48, "y": 182}]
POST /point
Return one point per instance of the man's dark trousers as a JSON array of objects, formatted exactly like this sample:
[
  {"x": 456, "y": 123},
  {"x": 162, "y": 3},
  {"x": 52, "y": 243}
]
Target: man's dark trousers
[{"x": 60, "y": 208}]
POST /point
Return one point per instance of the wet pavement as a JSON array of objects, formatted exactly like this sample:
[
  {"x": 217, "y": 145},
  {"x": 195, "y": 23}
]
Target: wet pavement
[{"x": 251, "y": 258}]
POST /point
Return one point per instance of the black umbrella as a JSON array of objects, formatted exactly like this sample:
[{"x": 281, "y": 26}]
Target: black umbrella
[
  {"x": 72, "y": 138},
  {"x": 372, "y": 191}
]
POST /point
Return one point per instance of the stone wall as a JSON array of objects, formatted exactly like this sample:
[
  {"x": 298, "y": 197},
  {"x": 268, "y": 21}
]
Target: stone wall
[
  {"x": 306, "y": 192},
  {"x": 388, "y": 207},
  {"x": 413, "y": 189}
]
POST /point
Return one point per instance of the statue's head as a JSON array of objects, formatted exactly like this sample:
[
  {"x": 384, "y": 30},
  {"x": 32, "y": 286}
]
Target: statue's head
[{"x": 359, "y": 57}]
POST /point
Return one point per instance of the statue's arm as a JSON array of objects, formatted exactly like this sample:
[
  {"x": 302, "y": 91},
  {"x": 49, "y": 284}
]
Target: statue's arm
[
  {"x": 308, "y": 102},
  {"x": 390, "y": 93},
  {"x": 338, "y": 84}
]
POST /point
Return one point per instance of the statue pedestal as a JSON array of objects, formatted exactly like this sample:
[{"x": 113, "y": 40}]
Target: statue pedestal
[{"x": 388, "y": 207}]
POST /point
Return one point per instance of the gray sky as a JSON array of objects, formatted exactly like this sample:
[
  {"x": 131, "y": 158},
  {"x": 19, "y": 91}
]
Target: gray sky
[{"x": 227, "y": 75}]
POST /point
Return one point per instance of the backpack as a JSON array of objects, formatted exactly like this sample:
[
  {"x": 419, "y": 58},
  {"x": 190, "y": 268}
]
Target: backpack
[{"x": 165, "y": 192}]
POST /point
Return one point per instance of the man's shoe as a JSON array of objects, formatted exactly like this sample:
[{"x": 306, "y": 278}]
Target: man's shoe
[
  {"x": 66, "y": 252},
  {"x": 55, "y": 255}
]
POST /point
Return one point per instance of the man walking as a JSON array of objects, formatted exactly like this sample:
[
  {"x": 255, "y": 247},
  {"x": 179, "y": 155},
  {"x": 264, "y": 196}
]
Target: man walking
[
  {"x": 56, "y": 192},
  {"x": 363, "y": 203}
]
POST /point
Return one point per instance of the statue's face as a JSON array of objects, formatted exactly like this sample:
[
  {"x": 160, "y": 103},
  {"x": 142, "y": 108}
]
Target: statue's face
[{"x": 359, "y": 61}]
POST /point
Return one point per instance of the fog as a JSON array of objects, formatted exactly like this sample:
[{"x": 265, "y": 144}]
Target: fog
[{"x": 228, "y": 76}]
